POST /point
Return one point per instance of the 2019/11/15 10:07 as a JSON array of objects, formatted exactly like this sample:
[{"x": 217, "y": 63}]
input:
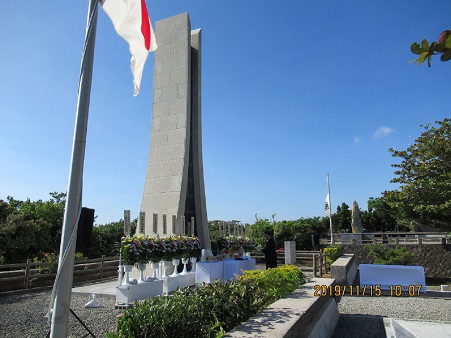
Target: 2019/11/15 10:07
[{"x": 366, "y": 290}]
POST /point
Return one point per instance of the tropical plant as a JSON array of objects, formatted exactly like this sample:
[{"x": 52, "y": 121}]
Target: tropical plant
[
  {"x": 333, "y": 253},
  {"x": 424, "y": 177},
  {"x": 426, "y": 50}
]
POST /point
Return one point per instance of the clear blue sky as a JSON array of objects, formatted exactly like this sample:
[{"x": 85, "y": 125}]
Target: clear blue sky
[{"x": 292, "y": 90}]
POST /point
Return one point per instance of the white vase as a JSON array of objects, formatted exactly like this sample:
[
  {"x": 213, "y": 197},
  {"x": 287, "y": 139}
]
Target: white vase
[
  {"x": 193, "y": 262},
  {"x": 175, "y": 262},
  {"x": 165, "y": 266},
  {"x": 248, "y": 254},
  {"x": 141, "y": 268},
  {"x": 185, "y": 262},
  {"x": 127, "y": 269},
  {"x": 155, "y": 270}
]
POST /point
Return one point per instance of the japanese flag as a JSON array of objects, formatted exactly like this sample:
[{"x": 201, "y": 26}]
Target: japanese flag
[
  {"x": 327, "y": 205},
  {"x": 131, "y": 21}
]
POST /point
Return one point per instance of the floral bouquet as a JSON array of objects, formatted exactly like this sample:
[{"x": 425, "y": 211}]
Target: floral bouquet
[{"x": 129, "y": 251}]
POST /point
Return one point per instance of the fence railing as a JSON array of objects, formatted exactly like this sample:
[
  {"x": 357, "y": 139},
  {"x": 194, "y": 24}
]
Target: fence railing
[
  {"x": 319, "y": 264},
  {"x": 40, "y": 274},
  {"x": 404, "y": 238},
  {"x": 314, "y": 260}
]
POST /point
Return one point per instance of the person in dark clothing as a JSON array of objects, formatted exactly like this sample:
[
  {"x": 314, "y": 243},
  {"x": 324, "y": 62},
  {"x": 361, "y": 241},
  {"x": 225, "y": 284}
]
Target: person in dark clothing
[{"x": 270, "y": 251}]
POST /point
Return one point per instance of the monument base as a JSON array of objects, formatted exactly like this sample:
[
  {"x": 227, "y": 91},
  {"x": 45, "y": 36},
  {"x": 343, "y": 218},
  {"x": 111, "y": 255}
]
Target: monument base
[
  {"x": 351, "y": 239},
  {"x": 172, "y": 283},
  {"x": 126, "y": 294}
]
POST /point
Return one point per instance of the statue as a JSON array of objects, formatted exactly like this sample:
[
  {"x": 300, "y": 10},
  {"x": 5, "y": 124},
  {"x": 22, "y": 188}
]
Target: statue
[{"x": 356, "y": 222}]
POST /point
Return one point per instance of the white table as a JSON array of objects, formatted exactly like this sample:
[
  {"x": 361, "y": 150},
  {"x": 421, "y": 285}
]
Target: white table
[
  {"x": 234, "y": 267},
  {"x": 388, "y": 276},
  {"x": 209, "y": 272}
]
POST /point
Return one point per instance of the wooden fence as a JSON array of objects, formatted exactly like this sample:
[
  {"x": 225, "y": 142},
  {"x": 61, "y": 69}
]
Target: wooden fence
[
  {"x": 403, "y": 238},
  {"x": 33, "y": 275},
  {"x": 310, "y": 261}
]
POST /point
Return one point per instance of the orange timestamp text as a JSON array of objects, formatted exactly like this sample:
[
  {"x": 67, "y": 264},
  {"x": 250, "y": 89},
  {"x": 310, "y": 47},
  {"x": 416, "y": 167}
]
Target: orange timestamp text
[{"x": 365, "y": 290}]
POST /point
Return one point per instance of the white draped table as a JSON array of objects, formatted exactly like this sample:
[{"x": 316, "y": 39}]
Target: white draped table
[
  {"x": 234, "y": 267},
  {"x": 222, "y": 270},
  {"x": 209, "y": 272},
  {"x": 389, "y": 276}
]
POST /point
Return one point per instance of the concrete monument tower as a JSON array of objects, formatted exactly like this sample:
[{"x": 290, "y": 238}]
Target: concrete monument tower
[{"x": 174, "y": 193}]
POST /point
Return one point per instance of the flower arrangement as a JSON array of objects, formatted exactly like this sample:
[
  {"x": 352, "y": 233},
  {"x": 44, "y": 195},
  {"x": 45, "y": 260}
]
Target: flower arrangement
[{"x": 141, "y": 249}]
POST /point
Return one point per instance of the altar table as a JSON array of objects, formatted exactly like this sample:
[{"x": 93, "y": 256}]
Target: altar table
[{"x": 208, "y": 272}]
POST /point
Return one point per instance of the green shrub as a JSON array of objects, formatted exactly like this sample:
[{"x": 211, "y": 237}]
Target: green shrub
[
  {"x": 333, "y": 253},
  {"x": 390, "y": 256},
  {"x": 210, "y": 309}
]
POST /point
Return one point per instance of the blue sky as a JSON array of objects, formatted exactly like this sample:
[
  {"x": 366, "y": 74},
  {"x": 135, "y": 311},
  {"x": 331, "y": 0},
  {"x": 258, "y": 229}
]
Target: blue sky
[{"x": 292, "y": 90}]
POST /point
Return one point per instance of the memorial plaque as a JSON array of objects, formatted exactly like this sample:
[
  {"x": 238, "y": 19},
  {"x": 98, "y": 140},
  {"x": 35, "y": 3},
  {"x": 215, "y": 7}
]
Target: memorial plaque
[
  {"x": 127, "y": 227},
  {"x": 142, "y": 222}
]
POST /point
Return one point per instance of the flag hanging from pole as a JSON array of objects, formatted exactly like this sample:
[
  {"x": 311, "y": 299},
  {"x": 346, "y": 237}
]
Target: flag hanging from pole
[
  {"x": 131, "y": 21},
  {"x": 327, "y": 205}
]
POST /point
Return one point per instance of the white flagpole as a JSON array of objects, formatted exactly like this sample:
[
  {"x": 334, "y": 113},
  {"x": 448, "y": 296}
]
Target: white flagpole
[
  {"x": 62, "y": 288},
  {"x": 332, "y": 241}
]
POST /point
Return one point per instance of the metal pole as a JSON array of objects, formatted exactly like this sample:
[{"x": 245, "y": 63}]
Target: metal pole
[
  {"x": 332, "y": 241},
  {"x": 63, "y": 287}
]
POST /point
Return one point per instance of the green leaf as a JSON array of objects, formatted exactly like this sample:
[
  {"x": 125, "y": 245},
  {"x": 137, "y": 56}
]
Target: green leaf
[
  {"x": 422, "y": 57},
  {"x": 448, "y": 42},
  {"x": 440, "y": 48},
  {"x": 415, "y": 48},
  {"x": 446, "y": 56},
  {"x": 425, "y": 45}
]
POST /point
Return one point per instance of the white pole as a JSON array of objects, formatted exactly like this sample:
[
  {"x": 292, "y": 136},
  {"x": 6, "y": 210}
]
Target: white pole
[
  {"x": 63, "y": 283},
  {"x": 332, "y": 241}
]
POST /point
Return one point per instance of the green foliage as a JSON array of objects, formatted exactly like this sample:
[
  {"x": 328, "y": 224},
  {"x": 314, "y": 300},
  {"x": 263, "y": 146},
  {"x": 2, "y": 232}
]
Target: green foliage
[
  {"x": 22, "y": 237},
  {"x": 277, "y": 282},
  {"x": 426, "y": 50},
  {"x": 106, "y": 239},
  {"x": 210, "y": 309},
  {"x": 257, "y": 229},
  {"x": 424, "y": 178},
  {"x": 333, "y": 253},
  {"x": 380, "y": 216},
  {"x": 381, "y": 254},
  {"x": 51, "y": 257},
  {"x": 341, "y": 220}
]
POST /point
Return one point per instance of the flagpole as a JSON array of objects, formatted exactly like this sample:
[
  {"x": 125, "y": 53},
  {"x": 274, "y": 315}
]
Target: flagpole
[
  {"x": 62, "y": 288},
  {"x": 332, "y": 241}
]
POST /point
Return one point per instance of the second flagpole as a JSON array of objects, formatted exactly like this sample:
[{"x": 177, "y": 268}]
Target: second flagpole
[{"x": 332, "y": 241}]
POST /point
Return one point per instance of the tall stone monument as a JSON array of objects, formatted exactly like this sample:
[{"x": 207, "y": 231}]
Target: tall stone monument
[
  {"x": 174, "y": 193},
  {"x": 356, "y": 222}
]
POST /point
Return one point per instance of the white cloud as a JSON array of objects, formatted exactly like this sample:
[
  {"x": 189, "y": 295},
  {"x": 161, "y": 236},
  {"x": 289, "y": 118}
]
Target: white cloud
[{"x": 382, "y": 132}]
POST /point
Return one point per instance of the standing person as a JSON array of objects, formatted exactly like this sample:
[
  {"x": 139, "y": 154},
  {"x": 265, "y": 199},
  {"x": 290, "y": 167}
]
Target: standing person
[{"x": 270, "y": 250}]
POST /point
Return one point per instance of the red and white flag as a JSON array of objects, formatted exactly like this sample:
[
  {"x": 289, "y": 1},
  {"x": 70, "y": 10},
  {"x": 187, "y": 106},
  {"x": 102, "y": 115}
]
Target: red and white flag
[{"x": 131, "y": 21}]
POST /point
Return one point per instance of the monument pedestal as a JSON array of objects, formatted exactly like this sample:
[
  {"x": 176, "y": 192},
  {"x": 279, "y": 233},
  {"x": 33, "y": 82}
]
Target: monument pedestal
[
  {"x": 126, "y": 294},
  {"x": 172, "y": 283},
  {"x": 351, "y": 239}
]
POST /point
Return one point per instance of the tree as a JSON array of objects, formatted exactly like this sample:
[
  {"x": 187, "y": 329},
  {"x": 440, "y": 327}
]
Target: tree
[
  {"x": 426, "y": 50},
  {"x": 23, "y": 237},
  {"x": 424, "y": 175},
  {"x": 341, "y": 220},
  {"x": 106, "y": 238},
  {"x": 380, "y": 215}
]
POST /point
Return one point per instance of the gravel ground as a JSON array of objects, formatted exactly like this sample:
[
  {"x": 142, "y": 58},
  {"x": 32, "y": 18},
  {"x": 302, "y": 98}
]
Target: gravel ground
[
  {"x": 363, "y": 317},
  {"x": 23, "y": 315}
]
